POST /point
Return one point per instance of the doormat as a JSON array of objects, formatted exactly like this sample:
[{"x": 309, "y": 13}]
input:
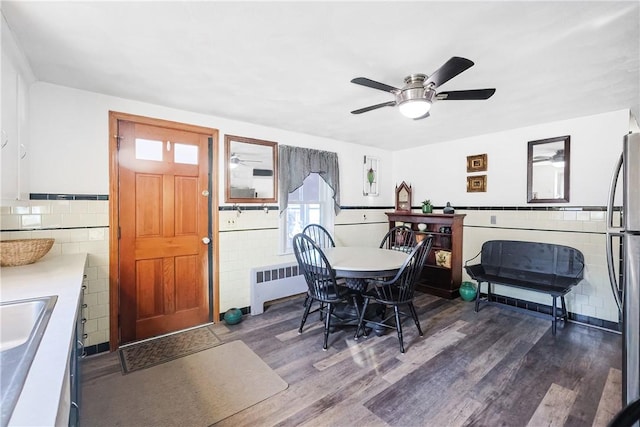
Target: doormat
[
  {"x": 163, "y": 349},
  {"x": 197, "y": 390}
]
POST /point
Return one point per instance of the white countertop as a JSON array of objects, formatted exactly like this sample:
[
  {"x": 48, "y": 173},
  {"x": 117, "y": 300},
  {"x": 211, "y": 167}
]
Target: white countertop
[{"x": 61, "y": 276}]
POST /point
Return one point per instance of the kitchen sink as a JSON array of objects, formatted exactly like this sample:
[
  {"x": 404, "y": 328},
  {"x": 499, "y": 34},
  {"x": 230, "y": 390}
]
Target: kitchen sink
[{"x": 22, "y": 325}]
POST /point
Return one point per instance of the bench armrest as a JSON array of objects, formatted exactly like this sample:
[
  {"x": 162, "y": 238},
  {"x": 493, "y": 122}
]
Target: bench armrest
[
  {"x": 471, "y": 259},
  {"x": 475, "y": 270}
]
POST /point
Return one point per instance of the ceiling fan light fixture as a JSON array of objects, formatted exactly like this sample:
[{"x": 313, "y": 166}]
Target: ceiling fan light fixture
[
  {"x": 414, "y": 108},
  {"x": 414, "y": 99},
  {"x": 234, "y": 161}
]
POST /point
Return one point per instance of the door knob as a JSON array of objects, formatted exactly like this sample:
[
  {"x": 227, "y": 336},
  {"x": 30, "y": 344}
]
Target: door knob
[{"x": 206, "y": 240}]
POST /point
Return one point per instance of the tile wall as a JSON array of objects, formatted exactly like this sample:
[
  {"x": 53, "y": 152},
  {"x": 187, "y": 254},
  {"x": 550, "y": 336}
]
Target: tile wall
[
  {"x": 581, "y": 229},
  {"x": 250, "y": 239},
  {"x": 78, "y": 226}
]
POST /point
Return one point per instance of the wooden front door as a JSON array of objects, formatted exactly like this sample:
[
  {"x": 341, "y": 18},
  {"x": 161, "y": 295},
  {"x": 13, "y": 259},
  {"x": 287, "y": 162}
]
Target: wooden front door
[{"x": 163, "y": 220}]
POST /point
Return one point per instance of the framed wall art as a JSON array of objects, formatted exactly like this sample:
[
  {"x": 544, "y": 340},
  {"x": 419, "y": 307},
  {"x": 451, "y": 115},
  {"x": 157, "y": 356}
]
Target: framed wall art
[
  {"x": 370, "y": 176},
  {"x": 477, "y": 184},
  {"x": 477, "y": 163}
]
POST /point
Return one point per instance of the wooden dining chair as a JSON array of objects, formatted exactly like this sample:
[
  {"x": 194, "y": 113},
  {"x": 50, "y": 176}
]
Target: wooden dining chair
[
  {"x": 322, "y": 238},
  {"x": 400, "y": 238},
  {"x": 321, "y": 281},
  {"x": 396, "y": 292},
  {"x": 320, "y": 235}
]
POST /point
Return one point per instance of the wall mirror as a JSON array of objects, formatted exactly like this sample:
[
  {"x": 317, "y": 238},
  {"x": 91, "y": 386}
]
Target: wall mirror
[
  {"x": 548, "y": 170},
  {"x": 251, "y": 170}
]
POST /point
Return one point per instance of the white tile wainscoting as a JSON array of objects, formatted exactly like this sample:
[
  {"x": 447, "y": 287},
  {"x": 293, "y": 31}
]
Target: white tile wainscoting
[
  {"x": 250, "y": 240},
  {"x": 78, "y": 226},
  {"x": 581, "y": 229}
]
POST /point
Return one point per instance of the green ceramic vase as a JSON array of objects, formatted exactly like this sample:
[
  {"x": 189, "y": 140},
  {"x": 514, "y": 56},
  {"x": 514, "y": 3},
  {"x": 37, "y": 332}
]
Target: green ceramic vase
[
  {"x": 467, "y": 291},
  {"x": 233, "y": 316}
]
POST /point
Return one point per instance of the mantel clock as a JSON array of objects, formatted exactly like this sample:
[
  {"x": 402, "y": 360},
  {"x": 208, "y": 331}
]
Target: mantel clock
[{"x": 403, "y": 197}]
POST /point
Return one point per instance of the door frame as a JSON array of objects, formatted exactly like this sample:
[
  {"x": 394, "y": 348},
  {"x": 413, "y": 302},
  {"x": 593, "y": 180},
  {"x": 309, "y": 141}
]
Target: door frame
[{"x": 114, "y": 220}]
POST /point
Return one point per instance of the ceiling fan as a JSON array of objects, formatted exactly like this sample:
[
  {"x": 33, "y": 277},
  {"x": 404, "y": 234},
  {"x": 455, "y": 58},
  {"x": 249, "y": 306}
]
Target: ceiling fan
[
  {"x": 235, "y": 161},
  {"x": 556, "y": 158},
  {"x": 419, "y": 92}
]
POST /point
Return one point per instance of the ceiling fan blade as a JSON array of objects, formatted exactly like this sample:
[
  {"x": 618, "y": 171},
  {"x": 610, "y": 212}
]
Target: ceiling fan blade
[
  {"x": 458, "y": 95},
  {"x": 374, "y": 107},
  {"x": 449, "y": 70},
  {"x": 422, "y": 117},
  {"x": 373, "y": 84}
]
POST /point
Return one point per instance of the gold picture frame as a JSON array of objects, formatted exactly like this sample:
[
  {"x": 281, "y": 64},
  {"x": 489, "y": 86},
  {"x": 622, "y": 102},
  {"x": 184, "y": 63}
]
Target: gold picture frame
[
  {"x": 477, "y": 163},
  {"x": 477, "y": 184},
  {"x": 443, "y": 259}
]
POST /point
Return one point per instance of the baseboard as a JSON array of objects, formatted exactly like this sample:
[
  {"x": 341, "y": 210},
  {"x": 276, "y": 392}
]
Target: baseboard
[
  {"x": 96, "y": 348},
  {"x": 546, "y": 309}
]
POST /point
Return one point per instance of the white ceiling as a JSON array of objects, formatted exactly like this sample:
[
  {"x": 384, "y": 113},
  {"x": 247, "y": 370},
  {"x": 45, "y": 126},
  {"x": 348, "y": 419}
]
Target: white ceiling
[{"x": 289, "y": 64}]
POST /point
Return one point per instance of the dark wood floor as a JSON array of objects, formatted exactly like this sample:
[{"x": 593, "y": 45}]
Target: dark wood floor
[{"x": 493, "y": 368}]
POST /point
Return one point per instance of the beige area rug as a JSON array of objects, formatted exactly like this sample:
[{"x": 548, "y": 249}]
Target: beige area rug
[
  {"x": 161, "y": 350},
  {"x": 197, "y": 390}
]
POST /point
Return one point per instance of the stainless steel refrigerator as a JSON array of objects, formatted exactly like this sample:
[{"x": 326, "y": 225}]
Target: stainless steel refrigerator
[{"x": 624, "y": 269}]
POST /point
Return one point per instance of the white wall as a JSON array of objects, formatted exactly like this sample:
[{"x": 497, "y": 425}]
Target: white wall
[
  {"x": 438, "y": 171},
  {"x": 69, "y": 139}
]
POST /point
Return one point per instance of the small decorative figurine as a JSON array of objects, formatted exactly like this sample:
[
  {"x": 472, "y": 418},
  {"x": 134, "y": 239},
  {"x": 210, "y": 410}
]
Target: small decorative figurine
[{"x": 448, "y": 209}]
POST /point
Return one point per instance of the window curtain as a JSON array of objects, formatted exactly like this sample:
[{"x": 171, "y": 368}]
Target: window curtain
[{"x": 296, "y": 163}]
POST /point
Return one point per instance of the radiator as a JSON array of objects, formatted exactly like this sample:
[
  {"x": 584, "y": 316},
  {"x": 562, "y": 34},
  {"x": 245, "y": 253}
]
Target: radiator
[{"x": 274, "y": 281}]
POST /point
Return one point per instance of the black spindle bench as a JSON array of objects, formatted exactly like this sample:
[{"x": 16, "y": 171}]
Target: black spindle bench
[{"x": 540, "y": 267}]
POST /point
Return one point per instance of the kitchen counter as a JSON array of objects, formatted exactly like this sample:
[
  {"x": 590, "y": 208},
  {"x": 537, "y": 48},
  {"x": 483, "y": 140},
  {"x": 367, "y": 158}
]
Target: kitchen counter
[{"x": 44, "y": 388}]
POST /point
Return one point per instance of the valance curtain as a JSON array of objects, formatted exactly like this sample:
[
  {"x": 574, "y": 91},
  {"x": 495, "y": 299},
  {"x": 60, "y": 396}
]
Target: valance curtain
[{"x": 297, "y": 163}]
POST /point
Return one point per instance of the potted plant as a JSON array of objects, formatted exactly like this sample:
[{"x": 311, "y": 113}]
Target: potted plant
[{"x": 426, "y": 206}]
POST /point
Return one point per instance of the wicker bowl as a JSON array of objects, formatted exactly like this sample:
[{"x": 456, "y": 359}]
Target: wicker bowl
[{"x": 23, "y": 251}]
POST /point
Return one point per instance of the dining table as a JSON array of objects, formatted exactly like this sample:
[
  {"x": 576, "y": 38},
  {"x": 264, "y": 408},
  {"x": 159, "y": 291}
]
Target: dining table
[{"x": 356, "y": 264}]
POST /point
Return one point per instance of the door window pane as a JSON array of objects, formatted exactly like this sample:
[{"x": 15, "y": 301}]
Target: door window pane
[
  {"x": 148, "y": 149},
  {"x": 184, "y": 153}
]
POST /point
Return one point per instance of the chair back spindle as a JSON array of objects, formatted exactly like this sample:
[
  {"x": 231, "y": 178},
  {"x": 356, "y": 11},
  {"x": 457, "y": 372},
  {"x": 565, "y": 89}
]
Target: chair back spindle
[
  {"x": 400, "y": 238},
  {"x": 319, "y": 235}
]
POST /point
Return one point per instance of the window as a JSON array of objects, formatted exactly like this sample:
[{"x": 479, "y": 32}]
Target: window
[
  {"x": 185, "y": 153},
  {"x": 148, "y": 149},
  {"x": 311, "y": 203}
]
